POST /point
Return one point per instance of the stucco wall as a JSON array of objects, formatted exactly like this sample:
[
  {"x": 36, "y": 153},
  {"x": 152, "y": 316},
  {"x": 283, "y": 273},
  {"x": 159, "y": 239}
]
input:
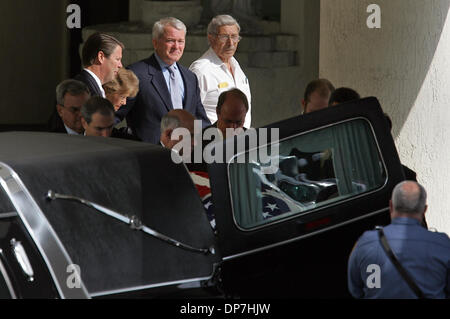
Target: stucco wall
[
  {"x": 277, "y": 92},
  {"x": 405, "y": 64},
  {"x": 34, "y": 58}
]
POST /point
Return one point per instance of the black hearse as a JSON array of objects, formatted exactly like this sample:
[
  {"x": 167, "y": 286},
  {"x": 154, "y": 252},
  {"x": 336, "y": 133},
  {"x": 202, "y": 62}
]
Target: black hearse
[{"x": 108, "y": 218}]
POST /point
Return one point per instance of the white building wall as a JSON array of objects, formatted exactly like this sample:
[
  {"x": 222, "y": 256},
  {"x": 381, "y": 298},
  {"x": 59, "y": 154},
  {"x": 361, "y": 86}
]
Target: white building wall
[{"x": 406, "y": 65}]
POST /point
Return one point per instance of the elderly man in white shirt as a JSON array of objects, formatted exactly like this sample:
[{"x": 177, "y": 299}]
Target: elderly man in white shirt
[{"x": 217, "y": 70}]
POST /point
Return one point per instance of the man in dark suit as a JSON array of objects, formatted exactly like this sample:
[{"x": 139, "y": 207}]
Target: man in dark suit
[
  {"x": 97, "y": 119},
  {"x": 164, "y": 84},
  {"x": 70, "y": 97},
  {"x": 231, "y": 110},
  {"x": 102, "y": 58}
]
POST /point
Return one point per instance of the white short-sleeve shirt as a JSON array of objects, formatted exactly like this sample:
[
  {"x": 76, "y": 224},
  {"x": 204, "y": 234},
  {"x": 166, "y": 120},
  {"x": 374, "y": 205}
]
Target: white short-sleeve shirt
[{"x": 215, "y": 78}]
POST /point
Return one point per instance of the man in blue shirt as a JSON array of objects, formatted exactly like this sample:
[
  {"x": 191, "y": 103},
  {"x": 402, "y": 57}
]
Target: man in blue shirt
[{"x": 425, "y": 255}]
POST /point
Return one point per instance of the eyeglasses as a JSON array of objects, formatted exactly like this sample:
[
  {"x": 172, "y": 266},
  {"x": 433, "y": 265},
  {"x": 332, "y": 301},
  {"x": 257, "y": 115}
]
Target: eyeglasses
[{"x": 224, "y": 38}]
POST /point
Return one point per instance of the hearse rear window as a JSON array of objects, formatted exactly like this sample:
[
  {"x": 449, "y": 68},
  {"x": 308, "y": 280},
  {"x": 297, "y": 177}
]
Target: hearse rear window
[{"x": 314, "y": 170}]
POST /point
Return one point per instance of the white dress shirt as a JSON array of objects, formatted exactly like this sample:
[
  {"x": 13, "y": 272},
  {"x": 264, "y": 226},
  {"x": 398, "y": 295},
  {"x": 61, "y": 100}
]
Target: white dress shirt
[
  {"x": 215, "y": 78},
  {"x": 97, "y": 80},
  {"x": 70, "y": 131},
  {"x": 165, "y": 70}
]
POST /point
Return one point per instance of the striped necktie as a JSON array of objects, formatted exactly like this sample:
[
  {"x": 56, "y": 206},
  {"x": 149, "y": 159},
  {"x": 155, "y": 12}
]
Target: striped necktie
[{"x": 175, "y": 91}]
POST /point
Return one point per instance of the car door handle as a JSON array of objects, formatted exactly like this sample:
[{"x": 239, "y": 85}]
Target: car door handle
[{"x": 22, "y": 258}]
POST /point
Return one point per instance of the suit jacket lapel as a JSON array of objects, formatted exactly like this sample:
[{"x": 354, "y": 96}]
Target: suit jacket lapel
[
  {"x": 92, "y": 83},
  {"x": 187, "y": 88},
  {"x": 158, "y": 81}
]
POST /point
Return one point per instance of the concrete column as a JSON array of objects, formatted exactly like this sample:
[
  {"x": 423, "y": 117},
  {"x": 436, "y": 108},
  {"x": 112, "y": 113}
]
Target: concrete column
[
  {"x": 405, "y": 64},
  {"x": 302, "y": 18},
  {"x": 34, "y": 58}
]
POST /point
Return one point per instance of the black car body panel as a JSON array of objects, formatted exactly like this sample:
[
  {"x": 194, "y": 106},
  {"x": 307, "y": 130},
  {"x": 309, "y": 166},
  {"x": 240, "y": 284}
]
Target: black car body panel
[
  {"x": 305, "y": 255},
  {"x": 132, "y": 178},
  {"x": 302, "y": 253}
]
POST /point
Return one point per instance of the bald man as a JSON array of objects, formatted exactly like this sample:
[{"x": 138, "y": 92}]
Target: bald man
[
  {"x": 231, "y": 110},
  {"x": 317, "y": 95},
  {"x": 173, "y": 120},
  {"x": 425, "y": 255},
  {"x": 183, "y": 119}
]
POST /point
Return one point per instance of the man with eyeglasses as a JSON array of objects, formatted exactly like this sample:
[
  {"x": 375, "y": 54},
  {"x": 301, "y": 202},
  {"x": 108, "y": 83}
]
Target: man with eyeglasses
[
  {"x": 71, "y": 95},
  {"x": 165, "y": 84},
  {"x": 217, "y": 70}
]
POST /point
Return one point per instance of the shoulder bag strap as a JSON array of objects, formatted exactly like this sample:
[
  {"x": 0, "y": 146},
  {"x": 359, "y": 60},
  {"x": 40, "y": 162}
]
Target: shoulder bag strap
[{"x": 397, "y": 264}]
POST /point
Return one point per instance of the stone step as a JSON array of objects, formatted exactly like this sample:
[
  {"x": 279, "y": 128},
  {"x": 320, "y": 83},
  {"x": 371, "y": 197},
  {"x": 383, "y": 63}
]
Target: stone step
[
  {"x": 274, "y": 59},
  {"x": 136, "y": 36}
]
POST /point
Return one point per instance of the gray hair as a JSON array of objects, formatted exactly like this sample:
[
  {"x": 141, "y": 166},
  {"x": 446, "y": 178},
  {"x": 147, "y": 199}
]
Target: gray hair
[
  {"x": 73, "y": 87},
  {"x": 410, "y": 201},
  {"x": 169, "y": 122},
  {"x": 221, "y": 20},
  {"x": 158, "y": 27}
]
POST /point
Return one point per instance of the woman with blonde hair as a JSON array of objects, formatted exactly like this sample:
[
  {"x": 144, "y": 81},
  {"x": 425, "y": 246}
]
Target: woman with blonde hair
[{"x": 124, "y": 85}]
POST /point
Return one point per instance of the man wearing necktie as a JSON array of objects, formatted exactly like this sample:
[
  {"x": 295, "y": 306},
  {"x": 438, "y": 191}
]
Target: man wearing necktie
[
  {"x": 164, "y": 84},
  {"x": 102, "y": 59},
  {"x": 176, "y": 87}
]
